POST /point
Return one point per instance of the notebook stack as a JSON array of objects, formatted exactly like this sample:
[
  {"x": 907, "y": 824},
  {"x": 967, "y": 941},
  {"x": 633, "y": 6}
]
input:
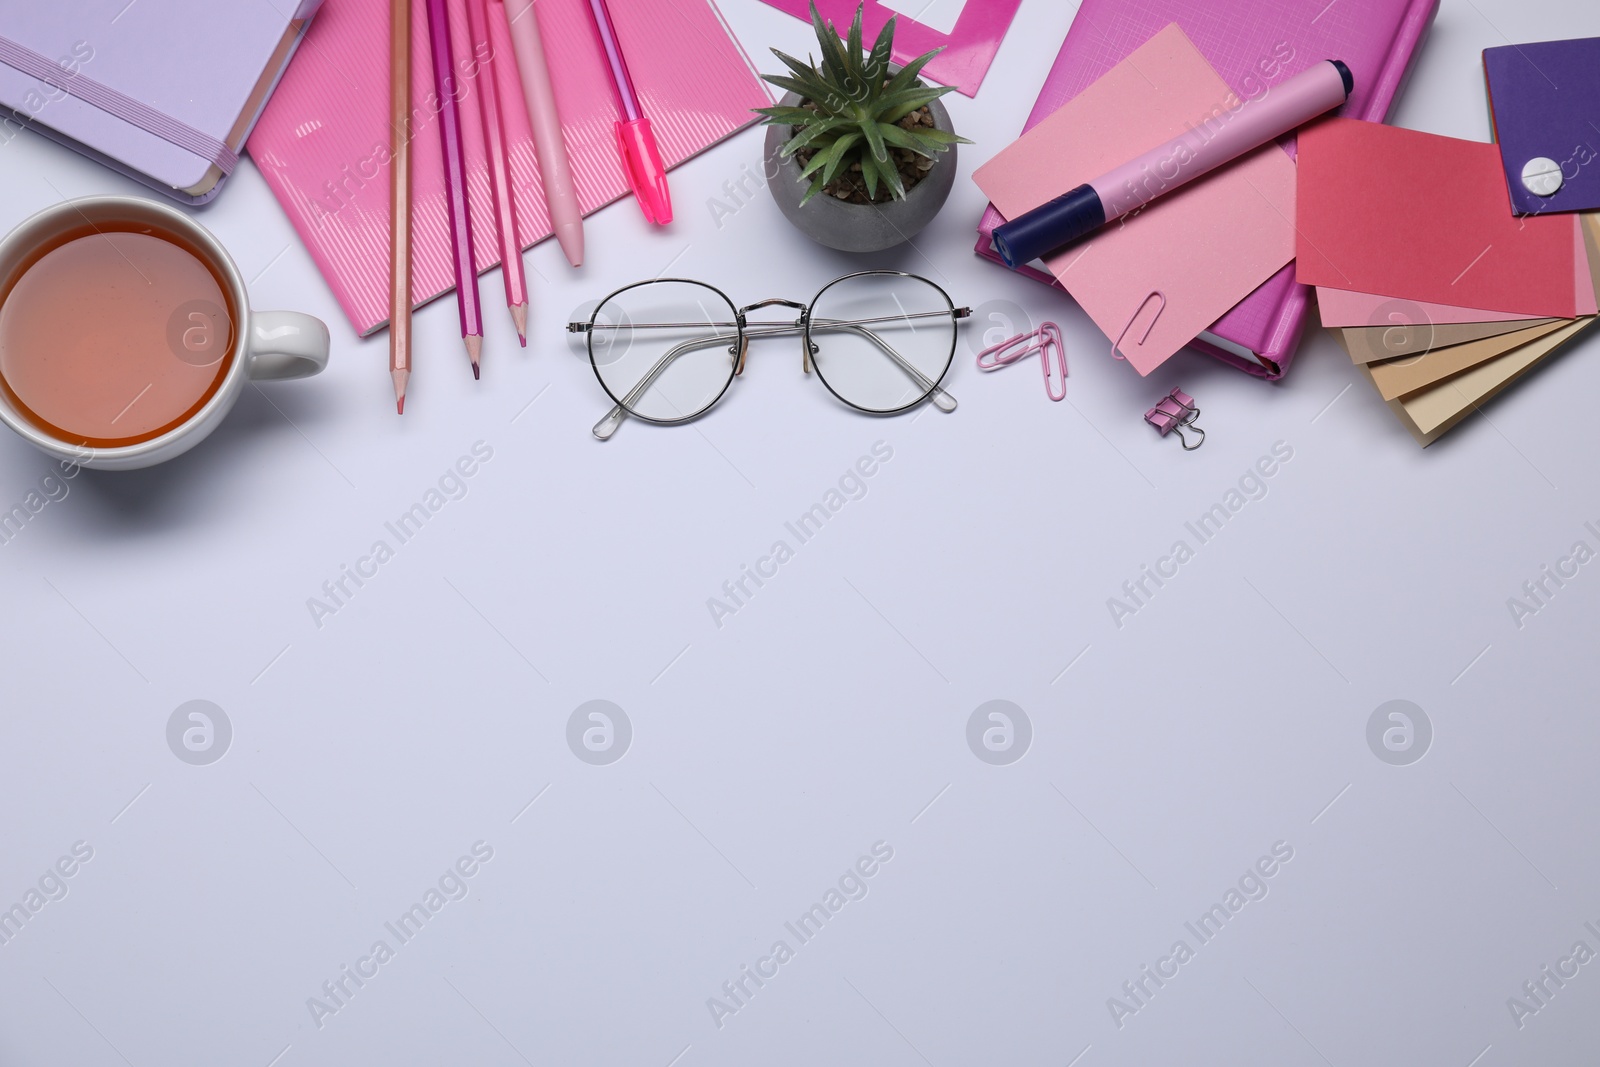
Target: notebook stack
[{"x": 1249, "y": 45}]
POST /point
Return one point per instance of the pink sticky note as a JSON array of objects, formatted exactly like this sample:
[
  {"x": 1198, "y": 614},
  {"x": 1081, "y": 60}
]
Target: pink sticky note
[
  {"x": 1203, "y": 248},
  {"x": 1423, "y": 217}
]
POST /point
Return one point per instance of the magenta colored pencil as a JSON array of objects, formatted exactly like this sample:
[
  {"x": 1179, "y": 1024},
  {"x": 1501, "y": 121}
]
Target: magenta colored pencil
[{"x": 455, "y": 173}]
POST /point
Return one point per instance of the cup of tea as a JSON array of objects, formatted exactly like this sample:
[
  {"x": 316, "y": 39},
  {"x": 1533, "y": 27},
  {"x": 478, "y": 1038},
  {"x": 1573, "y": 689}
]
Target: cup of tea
[{"x": 126, "y": 333}]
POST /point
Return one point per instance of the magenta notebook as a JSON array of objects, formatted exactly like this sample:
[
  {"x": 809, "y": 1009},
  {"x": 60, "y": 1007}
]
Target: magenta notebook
[
  {"x": 322, "y": 141},
  {"x": 1376, "y": 38}
]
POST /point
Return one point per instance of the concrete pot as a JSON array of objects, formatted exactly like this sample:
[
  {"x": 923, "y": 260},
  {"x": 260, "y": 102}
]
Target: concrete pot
[{"x": 858, "y": 227}]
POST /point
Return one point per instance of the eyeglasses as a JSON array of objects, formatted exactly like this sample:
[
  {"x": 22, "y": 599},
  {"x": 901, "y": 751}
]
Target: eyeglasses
[{"x": 666, "y": 350}]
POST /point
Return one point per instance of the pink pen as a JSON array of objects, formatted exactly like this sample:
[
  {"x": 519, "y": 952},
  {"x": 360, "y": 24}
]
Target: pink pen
[
  {"x": 560, "y": 193},
  {"x": 455, "y": 174},
  {"x": 494, "y": 139},
  {"x": 641, "y": 158}
]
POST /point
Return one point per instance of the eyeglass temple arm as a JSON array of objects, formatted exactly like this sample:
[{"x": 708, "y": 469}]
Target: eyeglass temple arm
[
  {"x": 608, "y": 425},
  {"x": 941, "y": 399}
]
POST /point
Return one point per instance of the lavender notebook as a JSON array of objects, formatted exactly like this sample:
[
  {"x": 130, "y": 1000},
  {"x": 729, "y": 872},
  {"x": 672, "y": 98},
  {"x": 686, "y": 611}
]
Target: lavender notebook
[
  {"x": 1376, "y": 38},
  {"x": 163, "y": 90},
  {"x": 1544, "y": 100}
]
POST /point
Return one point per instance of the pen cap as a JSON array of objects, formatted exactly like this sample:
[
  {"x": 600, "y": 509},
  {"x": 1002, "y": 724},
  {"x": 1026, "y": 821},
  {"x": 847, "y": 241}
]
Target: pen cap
[
  {"x": 647, "y": 174},
  {"x": 1049, "y": 226}
]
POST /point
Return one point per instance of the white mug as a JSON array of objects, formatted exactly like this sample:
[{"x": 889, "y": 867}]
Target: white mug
[{"x": 268, "y": 345}]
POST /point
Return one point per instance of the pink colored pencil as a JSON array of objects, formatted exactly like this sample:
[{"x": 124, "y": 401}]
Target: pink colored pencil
[
  {"x": 455, "y": 173},
  {"x": 495, "y": 140}
]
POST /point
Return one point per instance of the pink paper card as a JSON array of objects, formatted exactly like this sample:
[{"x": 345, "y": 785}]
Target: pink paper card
[
  {"x": 969, "y": 49},
  {"x": 1202, "y": 248},
  {"x": 1422, "y": 217},
  {"x": 1341, "y": 307}
]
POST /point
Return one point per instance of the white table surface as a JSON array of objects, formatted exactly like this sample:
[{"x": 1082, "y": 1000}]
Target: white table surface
[{"x": 830, "y": 713}]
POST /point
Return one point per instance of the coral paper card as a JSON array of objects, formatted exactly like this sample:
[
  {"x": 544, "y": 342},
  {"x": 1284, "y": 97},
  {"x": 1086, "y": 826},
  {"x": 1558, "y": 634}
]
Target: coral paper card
[
  {"x": 323, "y": 142},
  {"x": 1340, "y": 307},
  {"x": 1203, "y": 248},
  {"x": 1422, "y": 217},
  {"x": 1545, "y": 100}
]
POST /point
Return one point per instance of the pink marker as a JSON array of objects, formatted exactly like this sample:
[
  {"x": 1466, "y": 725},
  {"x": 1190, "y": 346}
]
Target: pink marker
[
  {"x": 636, "y": 143},
  {"x": 1211, "y": 140}
]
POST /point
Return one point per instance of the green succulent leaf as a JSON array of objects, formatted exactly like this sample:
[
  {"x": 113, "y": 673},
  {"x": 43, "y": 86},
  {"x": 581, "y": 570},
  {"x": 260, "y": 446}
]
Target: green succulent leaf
[
  {"x": 793, "y": 85},
  {"x": 900, "y": 138},
  {"x": 891, "y": 178},
  {"x": 791, "y": 116},
  {"x": 811, "y": 133},
  {"x": 816, "y": 187},
  {"x": 833, "y": 54},
  {"x": 854, "y": 47},
  {"x": 878, "y": 61},
  {"x": 906, "y": 76},
  {"x": 892, "y": 107},
  {"x": 827, "y": 152},
  {"x": 875, "y": 144},
  {"x": 942, "y": 138},
  {"x": 839, "y": 155},
  {"x": 869, "y": 171},
  {"x": 801, "y": 68}
]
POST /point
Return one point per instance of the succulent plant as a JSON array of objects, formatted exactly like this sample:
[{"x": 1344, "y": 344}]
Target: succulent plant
[{"x": 853, "y": 108}]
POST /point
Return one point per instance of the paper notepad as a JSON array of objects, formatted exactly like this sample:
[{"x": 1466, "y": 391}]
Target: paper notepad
[{"x": 1202, "y": 248}]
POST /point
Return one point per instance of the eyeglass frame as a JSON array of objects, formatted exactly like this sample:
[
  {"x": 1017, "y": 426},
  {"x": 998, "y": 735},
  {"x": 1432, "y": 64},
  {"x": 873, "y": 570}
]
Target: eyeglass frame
[{"x": 741, "y": 345}]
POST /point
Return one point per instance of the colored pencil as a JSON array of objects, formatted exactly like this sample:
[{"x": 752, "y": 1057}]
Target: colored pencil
[
  {"x": 400, "y": 200},
  {"x": 494, "y": 139},
  {"x": 455, "y": 173},
  {"x": 560, "y": 192}
]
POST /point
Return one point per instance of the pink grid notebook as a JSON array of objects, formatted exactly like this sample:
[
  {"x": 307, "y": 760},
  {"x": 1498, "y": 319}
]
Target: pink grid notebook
[
  {"x": 322, "y": 142},
  {"x": 1377, "y": 38}
]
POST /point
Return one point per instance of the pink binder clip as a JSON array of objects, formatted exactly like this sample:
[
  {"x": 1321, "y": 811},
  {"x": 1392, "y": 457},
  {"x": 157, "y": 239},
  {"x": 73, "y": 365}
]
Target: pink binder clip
[
  {"x": 1176, "y": 411},
  {"x": 1046, "y": 340}
]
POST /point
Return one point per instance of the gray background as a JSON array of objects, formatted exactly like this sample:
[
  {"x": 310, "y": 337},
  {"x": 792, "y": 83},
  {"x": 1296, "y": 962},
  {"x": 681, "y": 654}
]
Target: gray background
[{"x": 831, "y": 712}]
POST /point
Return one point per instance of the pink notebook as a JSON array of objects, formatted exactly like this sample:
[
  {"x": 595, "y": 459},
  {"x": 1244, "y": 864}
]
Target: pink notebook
[
  {"x": 1376, "y": 38},
  {"x": 322, "y": 141}
]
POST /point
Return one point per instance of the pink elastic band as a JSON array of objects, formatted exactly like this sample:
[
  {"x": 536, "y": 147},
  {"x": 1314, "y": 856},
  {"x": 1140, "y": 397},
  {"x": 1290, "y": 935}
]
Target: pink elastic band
[{"x": 118, "y": 105}]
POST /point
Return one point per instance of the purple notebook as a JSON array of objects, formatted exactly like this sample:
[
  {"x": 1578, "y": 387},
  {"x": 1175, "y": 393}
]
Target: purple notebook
[
  {"x": 1544, "y": 100},
  {"x": 1376, "y": 38},
  {"x": 165, "y": 91}
]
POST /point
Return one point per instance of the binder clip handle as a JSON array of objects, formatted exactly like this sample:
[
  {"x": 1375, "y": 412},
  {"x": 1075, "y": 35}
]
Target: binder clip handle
[{"x": 1177, "y": 411}]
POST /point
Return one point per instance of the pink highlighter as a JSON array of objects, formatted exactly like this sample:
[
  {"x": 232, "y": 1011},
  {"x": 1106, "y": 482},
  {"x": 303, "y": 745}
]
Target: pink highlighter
[
  {"x": 1211, "y": 140},
  {"x": 641, "y": 158}
]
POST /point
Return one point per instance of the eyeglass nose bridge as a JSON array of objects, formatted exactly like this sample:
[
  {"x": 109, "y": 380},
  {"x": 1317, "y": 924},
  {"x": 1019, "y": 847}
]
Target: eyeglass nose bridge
[{"x": 800, "y": 325}]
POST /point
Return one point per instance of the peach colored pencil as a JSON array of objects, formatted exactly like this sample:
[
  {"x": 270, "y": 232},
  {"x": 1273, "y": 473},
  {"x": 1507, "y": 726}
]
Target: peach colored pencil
[
  {"x": 494, "y": 139},
  {"x": 400, "y": 200}
]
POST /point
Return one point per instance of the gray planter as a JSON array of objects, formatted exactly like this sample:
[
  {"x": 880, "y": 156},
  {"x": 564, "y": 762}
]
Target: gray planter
[{"x": 858, "y": 227}]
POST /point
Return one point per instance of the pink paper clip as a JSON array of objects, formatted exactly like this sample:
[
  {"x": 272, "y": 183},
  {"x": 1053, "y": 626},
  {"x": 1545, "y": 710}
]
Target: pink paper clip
[
  {"x": 1046, "y": 340},
  {"x": 1177, "y": 411}
]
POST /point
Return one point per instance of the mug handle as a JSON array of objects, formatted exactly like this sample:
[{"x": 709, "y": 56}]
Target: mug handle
[{"x": 285, "y": 344}]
